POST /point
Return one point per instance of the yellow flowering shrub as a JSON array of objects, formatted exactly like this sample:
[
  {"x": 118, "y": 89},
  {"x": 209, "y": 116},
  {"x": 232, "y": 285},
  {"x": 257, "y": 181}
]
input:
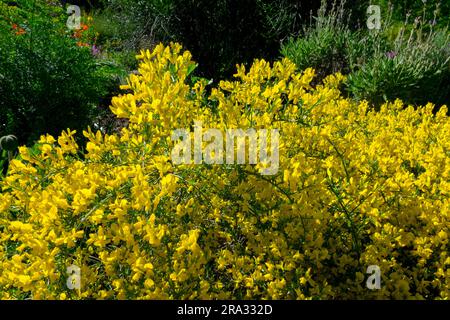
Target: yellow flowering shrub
[{"x": 355, "y": 188}]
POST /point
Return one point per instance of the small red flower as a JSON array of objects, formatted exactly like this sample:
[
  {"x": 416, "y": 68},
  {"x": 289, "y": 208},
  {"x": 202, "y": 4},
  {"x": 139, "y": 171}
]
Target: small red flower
[
  {"x": 19, "y": 29},
  {"x": 20, "y": 32}
]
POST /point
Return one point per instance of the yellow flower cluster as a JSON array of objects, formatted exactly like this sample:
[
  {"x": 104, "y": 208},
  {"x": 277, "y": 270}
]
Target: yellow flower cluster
[{"x": 354, "y": 188}]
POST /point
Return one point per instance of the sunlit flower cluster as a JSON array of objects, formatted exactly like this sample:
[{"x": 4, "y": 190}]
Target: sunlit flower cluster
[{"x": 355, "y": 188}]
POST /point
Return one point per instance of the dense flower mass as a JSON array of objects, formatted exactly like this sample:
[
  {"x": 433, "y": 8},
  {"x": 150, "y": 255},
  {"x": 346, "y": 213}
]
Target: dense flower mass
[{"x": 354, "y": 188}]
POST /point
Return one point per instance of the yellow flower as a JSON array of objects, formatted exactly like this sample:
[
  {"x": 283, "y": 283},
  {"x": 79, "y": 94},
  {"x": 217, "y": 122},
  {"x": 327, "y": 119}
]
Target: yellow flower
[{"x": 356, "y": 188}]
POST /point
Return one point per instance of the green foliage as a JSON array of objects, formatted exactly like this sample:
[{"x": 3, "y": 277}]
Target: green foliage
[
  {"x": 426, "y": 11},
  {"x": 410, "y": 62},
  {"x": 129, "y": 25},
  {"x": 47, "y": 82},
  {"x": 222, "y": 33},
  {"x": 324, "y": 44},
  {"x": 415, "y": 70}
]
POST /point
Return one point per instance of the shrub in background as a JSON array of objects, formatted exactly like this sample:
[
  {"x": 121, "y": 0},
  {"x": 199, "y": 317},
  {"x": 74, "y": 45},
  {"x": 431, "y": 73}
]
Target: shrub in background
[
  {"x": 412, "y": 65},
  {"x": 129, "y": 25},
  {"x": 415, "y": 69},
  {"x": 49, "y": 79},
  {"x": 324, "y": 43},
  {"x": 221, "y": 33},
  {"x": 354, "y": 188}
]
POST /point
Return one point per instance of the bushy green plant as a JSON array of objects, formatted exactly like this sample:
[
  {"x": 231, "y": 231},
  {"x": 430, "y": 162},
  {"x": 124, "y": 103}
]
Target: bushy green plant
[
  {"x": 412, "y": 65},
  {"x": 47, "y": 81},
  {"x": 128, "y": 25},
  {"x": 416, "y": 69},
  {"x": 430, "y": 11},
  {"x": 324, "y": 43}
]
